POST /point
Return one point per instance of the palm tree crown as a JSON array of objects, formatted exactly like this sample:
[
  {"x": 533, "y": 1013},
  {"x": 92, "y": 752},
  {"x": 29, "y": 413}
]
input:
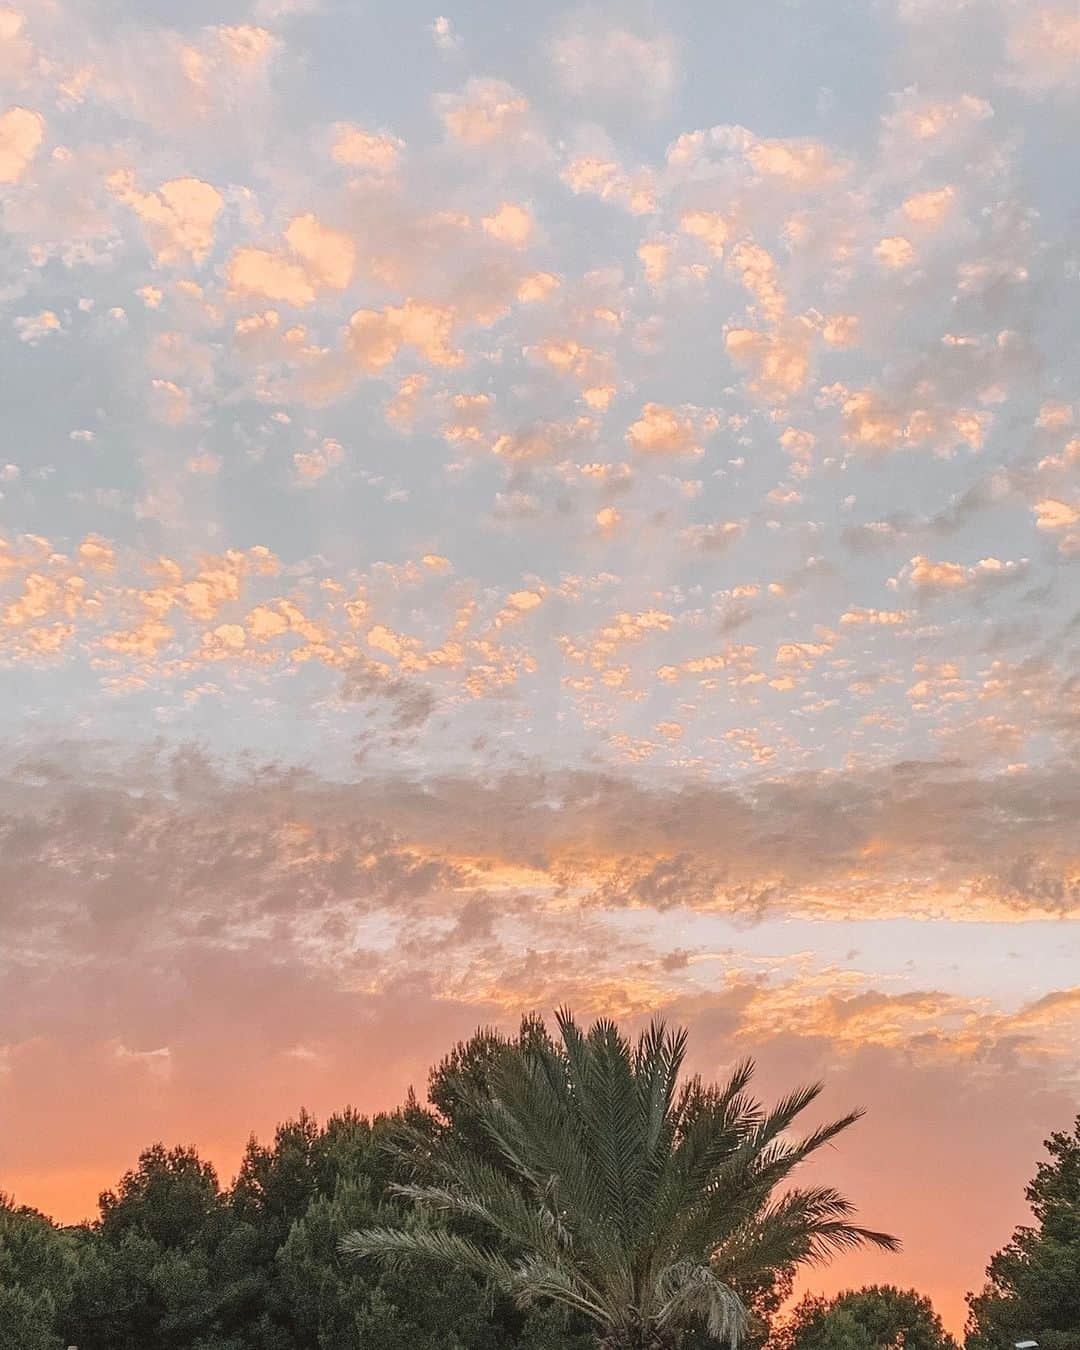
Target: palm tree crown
[{"x": 616, "y": 1190}]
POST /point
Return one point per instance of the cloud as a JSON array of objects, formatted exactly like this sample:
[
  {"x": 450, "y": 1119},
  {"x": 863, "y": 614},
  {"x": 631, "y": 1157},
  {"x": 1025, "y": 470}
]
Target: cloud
[
  {"x": 190, "y": 82},
  {"x": 510, "y": 224},
  {"x": 936, "y": 578},
  {"x": 792, "y": 165},
  {"x": 925, "y": 119},
  {"x": 257, "y": 271},
  {"x": 894, "y": 252},
  {"x": 328, "y": 255},
  {"x": 1051, "y": 514},
  {"x": 607, "y": 179},
  {"x": 537, "y": 286},
  {"x": 709, "y": 226},
  {"x": 873, "y": 421},
  {"x": 1043, "y": 49},
  {"x": 360, "y": 149},
  {"x": 410, "y": 703},
  {"x": 170, "y": 403},
  {"x": 930, "y": 207},
  {"x": 779, "y": 359},
  {"x": 802, "y": 163},
  {"x": 714, "y": 537},
  {"x": 398, "y": 842},
  {"x": 442, "y": 30},
  {"x": 178, "y": 219},
  {"x": 614, "y": 69},
  {"x": 540, "y": 440},
  {"x": 663, "y": 430},
  {"x": 32, "y": 328},
  {"x": 486, "y": 112},
  {"x": 19, "y": 54},
  {"x": 315, "y": 257},
  {"x": 317, "y": 462},
  {"x": 376, "y": 336},
  {"x": 21, "y": 134}
]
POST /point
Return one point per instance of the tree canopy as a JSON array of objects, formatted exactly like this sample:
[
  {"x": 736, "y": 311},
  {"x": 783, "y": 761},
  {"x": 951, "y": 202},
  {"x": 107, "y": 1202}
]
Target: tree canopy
[
  {"x": 880, "y": 1317},
  {"x": 1033, "y": 1283}
]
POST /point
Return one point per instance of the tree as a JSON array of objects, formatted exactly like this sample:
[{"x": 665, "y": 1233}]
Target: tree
[
  {"x": 168, "y": 1198},
  {"x": 880, "y": 1317},
  {"x": 336, "y": 1304},
  {"x": 631, "y": 1200},
  {"x": 164, "y": 1264},
  {"x": 1033, "y": 1288},
  {"x": 36, "y": 1269},
  {"x": 467, "y": 1074}
]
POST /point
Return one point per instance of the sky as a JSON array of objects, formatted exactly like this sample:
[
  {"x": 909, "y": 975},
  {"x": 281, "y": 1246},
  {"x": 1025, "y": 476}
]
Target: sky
[{"x": 539, "y": 505}]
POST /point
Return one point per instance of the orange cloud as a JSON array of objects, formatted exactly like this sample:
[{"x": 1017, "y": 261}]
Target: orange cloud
[
  {"x": 1044, "y": 49},
  {"x": 485, "y": 112},
  {"x": 608, "y": 180},
  {"x": 321, "y": 257},
  {"x": 931, "y": 578},
  {"x": 178, "y": 220},
  {"x": 359, "y": 149},
  {"x": 376, "y": 336},
  {"x": 894, "y": 252},
  {"x": 327, "y": 254},
  {"x": 663, "y": 430},
  {"x": 21, "y": 134},
  {"x": 928, "y": 208},
  {"x": 779, "y": 359},
  {"x": 510, "y": 224}
]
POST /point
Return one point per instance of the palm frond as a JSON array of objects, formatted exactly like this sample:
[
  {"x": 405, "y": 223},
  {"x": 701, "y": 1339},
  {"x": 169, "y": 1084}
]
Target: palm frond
[
  {"x": 688, "y": 1290},
  {"x": 394, "y": 1248}
]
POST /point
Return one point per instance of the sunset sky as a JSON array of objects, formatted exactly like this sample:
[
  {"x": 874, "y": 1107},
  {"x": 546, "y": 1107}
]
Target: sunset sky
[{"x": 539, "y": 505}]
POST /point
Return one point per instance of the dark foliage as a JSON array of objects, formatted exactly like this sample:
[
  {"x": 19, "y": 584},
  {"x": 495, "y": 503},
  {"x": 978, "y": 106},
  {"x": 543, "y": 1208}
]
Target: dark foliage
[
  {"x": 877, "y": 1318},
  {"x": 1033, "y": 1289}
]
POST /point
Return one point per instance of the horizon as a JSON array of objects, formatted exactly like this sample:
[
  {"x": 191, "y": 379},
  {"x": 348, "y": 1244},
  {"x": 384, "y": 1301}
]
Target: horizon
[{"x": 572, "y": 505}]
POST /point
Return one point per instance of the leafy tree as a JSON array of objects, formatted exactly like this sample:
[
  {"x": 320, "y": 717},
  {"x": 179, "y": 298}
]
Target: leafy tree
[
  {"x": 279, "y": 1186},
  {"x": 1033, "y": 1289},
  {"x": 167, "y": 1198},
  {"x": 631, "y": 1200},
  {"x": 164, "y": 1265},
  {"x": 880, "y": 1317},
  {"x": 764, "y": 1292},
  {"x": 36, "y": 1269},
  {"x": 174, "y": 1263},
  {"x": 337, "y": 1305}
]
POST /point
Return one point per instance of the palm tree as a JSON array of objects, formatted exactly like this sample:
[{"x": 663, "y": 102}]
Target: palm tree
[{"x": 615, "y": 1191}]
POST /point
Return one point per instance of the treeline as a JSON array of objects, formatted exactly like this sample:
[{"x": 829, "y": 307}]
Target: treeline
[{"x": 175, "y": 1262}]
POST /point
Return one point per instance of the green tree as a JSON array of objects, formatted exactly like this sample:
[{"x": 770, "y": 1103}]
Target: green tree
[
  {"x": 337, "y": 1304},
  {"x": 880, "y": 1317},
  {"x": 634, "y": 1201},
  {"x": 164, "y": 1265},
  {"x": 1033, "y": 1288},
  {"x": 278, "y": 1187},
  {"x": 37, "y": 1266},
  {"x": 167, "y": 1198}
]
